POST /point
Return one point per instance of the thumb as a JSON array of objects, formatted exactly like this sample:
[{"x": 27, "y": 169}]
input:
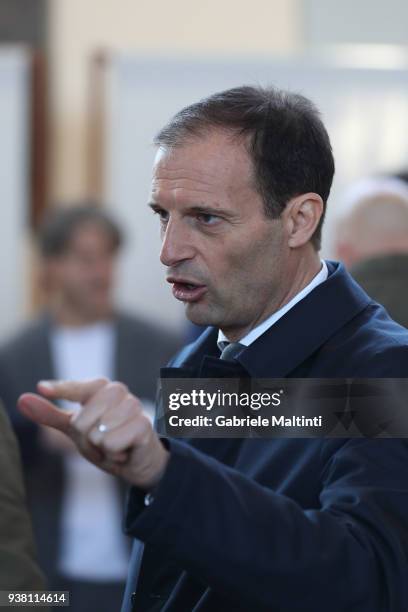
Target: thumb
[{"x": 43, "y": 412}]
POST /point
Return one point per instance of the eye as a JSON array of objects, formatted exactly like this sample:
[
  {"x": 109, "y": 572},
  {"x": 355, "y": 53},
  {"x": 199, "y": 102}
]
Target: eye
[
  {"x": 162, "y": 214},
  {"x": 208, "y": 219}
]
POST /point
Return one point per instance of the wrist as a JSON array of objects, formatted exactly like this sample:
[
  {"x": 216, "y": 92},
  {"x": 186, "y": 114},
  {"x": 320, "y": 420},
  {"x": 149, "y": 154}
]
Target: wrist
[{"x": 157, "y": 470}]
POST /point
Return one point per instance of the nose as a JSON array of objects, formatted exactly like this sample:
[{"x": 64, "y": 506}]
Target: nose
[{"x": 177, "y": 244}]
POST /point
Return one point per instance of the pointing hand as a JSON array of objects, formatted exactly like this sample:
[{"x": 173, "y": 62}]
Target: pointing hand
[{"x": 109, "y": 429}]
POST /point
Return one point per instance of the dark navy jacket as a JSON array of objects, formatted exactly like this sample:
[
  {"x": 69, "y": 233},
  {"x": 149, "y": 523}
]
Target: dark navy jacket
[{"x": 284, "y": 525}]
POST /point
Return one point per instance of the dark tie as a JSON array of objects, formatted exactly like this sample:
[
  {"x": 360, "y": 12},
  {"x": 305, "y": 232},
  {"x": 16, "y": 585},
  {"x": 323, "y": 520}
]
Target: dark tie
[{"x": 231, "y": 351}]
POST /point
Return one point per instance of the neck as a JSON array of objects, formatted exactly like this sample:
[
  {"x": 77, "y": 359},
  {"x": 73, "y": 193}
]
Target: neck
[{"x": 297, "y": 275}]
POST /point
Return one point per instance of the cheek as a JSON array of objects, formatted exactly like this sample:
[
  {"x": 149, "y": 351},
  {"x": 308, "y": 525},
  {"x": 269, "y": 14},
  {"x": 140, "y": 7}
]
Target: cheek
[
  {"x": 224, "y": 265},
  {"x": 256, "y": 264},
  {"x": 231, "y": 271},
  {"x": 245, "y": 256},
  {"x": 77, "y": 280}
]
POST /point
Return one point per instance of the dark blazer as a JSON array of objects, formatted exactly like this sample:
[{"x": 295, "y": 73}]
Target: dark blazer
[
  {"x": 141, "y": 349},
  {"x": 283, "y": 525}
]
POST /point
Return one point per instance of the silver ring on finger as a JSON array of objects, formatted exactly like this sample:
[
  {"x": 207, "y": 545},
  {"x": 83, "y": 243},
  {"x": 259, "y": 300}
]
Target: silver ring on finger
[{"x": 102, "y": 428}]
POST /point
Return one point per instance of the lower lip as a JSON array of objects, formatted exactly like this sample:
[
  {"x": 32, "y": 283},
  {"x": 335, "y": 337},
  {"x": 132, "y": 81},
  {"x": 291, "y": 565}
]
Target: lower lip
[{"x": 182, "y": 293}]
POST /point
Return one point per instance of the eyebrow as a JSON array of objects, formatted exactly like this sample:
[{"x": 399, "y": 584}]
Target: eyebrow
[{"x": 204, "y": 210}]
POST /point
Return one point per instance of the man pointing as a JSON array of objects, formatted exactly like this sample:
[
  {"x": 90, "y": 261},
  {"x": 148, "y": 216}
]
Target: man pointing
[{"x": 240, "y": 186}]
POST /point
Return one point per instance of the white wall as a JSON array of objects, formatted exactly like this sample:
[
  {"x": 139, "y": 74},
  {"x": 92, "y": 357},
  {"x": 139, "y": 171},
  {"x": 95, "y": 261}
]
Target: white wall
[
  {"x": 81, "y": 28},
  {"x": 14, "y": 174},
  {"x": 351, "y": 21}
]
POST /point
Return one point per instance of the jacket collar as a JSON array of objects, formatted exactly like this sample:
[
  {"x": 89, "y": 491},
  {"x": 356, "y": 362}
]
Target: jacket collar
[{"x": 289, "y": 342}]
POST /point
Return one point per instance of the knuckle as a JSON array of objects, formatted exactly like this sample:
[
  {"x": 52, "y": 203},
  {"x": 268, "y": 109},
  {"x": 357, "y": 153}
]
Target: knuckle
[
  {"x": 103, "y": 445},
  {"x": 106, "y": 445},
  {"x": 114, "y": 446},
  {"x": 93, "y": 436},
  {"x": 133, "y": 404},
  {"x": 75, "y": 420},
  {"x": 117, "y": 388}
]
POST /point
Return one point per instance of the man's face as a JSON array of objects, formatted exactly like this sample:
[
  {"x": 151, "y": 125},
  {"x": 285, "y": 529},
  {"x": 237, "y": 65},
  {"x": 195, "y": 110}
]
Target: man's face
[
  {"x": 225, "y": 258},
  {"x": 82, "y": 276}
]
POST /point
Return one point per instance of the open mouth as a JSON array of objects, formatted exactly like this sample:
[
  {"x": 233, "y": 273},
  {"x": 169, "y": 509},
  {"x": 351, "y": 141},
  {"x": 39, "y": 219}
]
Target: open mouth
[{"x": 188, "y": 292}]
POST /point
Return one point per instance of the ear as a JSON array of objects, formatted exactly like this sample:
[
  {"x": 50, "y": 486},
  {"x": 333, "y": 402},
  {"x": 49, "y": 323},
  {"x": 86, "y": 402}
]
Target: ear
[{"x": 301, "y": 218}]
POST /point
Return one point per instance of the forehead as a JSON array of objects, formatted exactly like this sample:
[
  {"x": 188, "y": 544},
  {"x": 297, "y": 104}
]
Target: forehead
[
  {"x": 89, "y": 234},
  {"x": 216, "y": 161}
]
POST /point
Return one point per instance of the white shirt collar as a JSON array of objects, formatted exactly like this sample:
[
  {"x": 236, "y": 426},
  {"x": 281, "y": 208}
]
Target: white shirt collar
[{"x": 254, "y": 334}]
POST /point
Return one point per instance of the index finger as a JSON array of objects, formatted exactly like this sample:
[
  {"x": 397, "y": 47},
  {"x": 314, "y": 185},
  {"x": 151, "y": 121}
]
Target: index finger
[
  {"x": 71, "y": 390},
  {"x": 43, "y": 412}
]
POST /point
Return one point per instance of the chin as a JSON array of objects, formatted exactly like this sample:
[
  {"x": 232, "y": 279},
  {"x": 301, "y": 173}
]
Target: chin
[
  {"x": 201, "y": 314},
  {"x": 98, "y": 311}
]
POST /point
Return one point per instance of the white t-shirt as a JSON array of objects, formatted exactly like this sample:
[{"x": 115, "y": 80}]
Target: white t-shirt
[{"x": 92, "y": 544}]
